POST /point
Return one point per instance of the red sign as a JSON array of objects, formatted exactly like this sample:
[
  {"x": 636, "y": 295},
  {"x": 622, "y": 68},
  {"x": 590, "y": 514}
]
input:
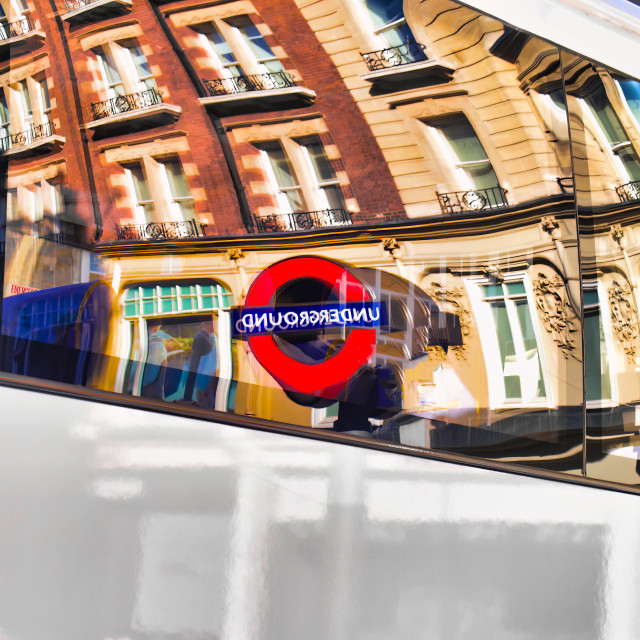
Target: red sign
[
  {"x": 325, "y": 378},
  {"x": 16, "y": 288}
]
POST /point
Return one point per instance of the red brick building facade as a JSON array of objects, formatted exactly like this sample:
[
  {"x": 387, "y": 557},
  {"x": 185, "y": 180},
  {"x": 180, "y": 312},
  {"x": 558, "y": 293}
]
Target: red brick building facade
[{"x": 224, "y": 118}]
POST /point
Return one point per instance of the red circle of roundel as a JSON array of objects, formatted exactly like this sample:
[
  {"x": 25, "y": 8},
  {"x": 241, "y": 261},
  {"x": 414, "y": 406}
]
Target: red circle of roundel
[{"x": 329, "y": 376}]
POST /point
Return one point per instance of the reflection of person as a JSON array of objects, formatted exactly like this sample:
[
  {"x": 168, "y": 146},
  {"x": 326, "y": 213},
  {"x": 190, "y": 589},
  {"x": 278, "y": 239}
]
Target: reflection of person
[
  {"x": 204, "y": 344},
  {"x": 156, "y": 366}
]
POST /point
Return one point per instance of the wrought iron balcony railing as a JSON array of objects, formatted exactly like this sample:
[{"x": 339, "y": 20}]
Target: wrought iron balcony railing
[
  {"x": 303, "y": 221},
  {"x": 123, "y": 104},
  {"x": 72, "y": 5},
  {"x": 23, "y": 138},
  {"x": 474, "y": 200},
  {"x": 629, "y": 191},
  {"x": 17, "y": 28},
  {"x": 242, "y": 84},
  {"x": 161, "y": 230},
  {"x": 395, "y": 56}
]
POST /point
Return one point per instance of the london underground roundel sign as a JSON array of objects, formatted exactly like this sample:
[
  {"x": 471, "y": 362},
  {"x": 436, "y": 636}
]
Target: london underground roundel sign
[{"x": 325, "y": 378}]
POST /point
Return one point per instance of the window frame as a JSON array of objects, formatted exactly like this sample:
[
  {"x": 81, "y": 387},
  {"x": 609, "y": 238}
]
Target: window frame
[
  {"x": 490, "y": 345},
  {"x": 605, "y": 318}
]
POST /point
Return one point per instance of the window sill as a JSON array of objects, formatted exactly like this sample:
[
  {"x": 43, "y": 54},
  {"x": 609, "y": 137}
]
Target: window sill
[
  {"x": 97, "y": 10},
  {"x": 253, "y": 101},
  {"x": 135, "y": 120},
  {"x": 41, "y": 145},
  {"x": 408, "y": 76}
]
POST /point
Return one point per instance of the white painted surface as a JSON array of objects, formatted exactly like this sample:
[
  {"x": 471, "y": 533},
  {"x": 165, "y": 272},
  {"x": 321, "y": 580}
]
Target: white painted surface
[
  {"x": 607, "y": 31},
  {"x": 118, "y": 523}
]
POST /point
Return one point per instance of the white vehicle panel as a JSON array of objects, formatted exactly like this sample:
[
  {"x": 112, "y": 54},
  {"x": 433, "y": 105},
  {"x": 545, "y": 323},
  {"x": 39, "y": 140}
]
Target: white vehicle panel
[{"x": 121, "y": 523}]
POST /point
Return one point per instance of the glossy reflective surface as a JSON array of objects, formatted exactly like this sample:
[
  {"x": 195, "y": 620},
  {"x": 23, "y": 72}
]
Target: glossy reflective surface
[
  {"x": 118, "y": 523},
  {"x": 473, "y": 187}
]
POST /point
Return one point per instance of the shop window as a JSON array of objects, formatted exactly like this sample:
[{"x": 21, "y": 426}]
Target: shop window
[
  {"x": 159, "y": 190},
  {"x": 613, "y": 134},
  {"x": 238, "y": 48},
  {"x": 180, "y": 347},
  {"x": 514, "y": 361},
  {"x": 171, "y": 299},
  {"x": 597, "y": 346},
  {"x": 124, "y": 69},
  {"x": 302, "y": 176}
]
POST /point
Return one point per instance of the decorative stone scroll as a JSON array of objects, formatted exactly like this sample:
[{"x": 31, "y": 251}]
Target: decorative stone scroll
[
  {"x": 624, "y": 317},
  {"x": 451, "y": 296},
  {"x": 557, "y": 315}
]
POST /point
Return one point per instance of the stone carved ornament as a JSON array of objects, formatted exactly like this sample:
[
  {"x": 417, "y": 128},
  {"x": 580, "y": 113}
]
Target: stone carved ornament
[
  {"x": 451, "y": 296},
  {"x": 623, "y": 317},
  {"x": 556, "y": 314}
]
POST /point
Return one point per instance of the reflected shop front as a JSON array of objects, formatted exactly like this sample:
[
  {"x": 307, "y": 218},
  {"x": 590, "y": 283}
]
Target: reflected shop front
[{"x": 427, "y": 233}]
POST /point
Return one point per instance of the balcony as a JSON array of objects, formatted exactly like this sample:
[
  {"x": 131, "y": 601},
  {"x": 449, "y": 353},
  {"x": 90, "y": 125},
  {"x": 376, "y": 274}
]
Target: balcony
[
  {"x": 249, "y": 94},
  {"x": 161, "y": 230},
  {"x": 131, "y": 112},
  {"x": 37, "y": 139},
  {"x": 303, "y": 221},
  {"x": 472, "y": 201},
  {"x": 404, "y": 67},
  {"x": 81, "y": 11},
  {"x": 18, "y": 35},
  {"x": 628, "y": 192}
]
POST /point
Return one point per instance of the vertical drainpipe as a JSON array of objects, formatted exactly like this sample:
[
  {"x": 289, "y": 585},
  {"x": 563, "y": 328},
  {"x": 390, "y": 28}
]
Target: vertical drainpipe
[
  {"x": 97, "y": 216},
  {"x": 238, "y": 187}
]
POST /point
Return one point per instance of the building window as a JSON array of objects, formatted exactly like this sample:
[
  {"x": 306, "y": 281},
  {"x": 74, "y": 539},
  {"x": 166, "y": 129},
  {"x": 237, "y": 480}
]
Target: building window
[
  {"x": 13, "y": 19},
  {"x": 25, "y": 112},
  {"x": 124, "y": 69},
  {"x": 466, "y": 154},
  {"x": 618, "y": 144},
  {"x": 5, "y": 126},
  {"x": 237, "y": 48},
  {"x": 159, "y": 190},
  {"x": 302, "y": 176},
  {"x": 388, "y": 23},
  {"x": 34, "y": 202},
  {"x": 630, "y": 90},
  {"x": 597, "y": 346},
  {"x": 514, "y": 365}
]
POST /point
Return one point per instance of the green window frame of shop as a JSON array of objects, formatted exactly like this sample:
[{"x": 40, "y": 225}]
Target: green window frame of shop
[{"x": 175, "y": 299}]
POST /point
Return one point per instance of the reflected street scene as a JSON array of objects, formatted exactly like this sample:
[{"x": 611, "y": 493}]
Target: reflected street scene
[{"x": 427, "y": 233}]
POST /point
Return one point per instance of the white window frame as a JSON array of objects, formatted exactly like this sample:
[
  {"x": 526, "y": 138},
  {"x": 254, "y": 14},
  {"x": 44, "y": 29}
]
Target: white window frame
[
  {"x": 280, "y": 193},
  {"x": 246, "y": 60},
  {"x": 320, "y": 184},
  {"x": 166, "y": 206},
  {"x": 605, "y": 317},
  {"x": 222, "y": 67},
  {"x": 463, "y": 179},
  {"x": 309, "y": 184},
  {"x": 490, "y": 345},
  {"x": 634, "y": 118},
  {"x": 610, "y": 150},
  {"x": 130, "y": 80},
  {"x": 174, "y": 201}
]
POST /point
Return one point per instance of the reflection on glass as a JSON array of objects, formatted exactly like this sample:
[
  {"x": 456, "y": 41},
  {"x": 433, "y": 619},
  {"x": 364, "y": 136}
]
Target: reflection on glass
[{"x": 440, "y": 198}]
